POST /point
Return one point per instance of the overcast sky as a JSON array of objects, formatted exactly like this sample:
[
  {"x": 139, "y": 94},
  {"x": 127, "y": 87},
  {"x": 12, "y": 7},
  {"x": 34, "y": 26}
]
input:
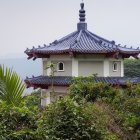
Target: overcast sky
[{"x": 27, "y": 23}]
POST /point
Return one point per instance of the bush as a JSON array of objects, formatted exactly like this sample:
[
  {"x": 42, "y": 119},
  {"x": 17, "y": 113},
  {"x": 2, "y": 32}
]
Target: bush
[
  {"x": 93, "y": 111},
  {"x": 121, "y": 107},
  {"x": 66, "y": 120},
  {"x": 132, "y": 67},
  {"x": 92, "y": 91},
  {"x": 17, "y": 123}
]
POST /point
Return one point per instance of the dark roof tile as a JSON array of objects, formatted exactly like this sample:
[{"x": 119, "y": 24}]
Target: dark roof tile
[{"x": 67, "y": 80}]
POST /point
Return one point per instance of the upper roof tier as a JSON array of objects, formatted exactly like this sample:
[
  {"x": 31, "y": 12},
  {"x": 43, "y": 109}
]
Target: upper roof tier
[{"x": 82, "y": 41}]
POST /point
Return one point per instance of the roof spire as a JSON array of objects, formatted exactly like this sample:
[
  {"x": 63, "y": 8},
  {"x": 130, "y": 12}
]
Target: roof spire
[
  {"x": 82, "y": 13},
  {"x": 82, "y": 25}
]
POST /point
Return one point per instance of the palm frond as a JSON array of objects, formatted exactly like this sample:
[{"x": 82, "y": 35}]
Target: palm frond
[{"x": 11, "y": 86}]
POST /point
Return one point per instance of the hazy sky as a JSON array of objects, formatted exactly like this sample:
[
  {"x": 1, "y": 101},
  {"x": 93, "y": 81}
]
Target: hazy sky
[{"x": 27, "y": 23}]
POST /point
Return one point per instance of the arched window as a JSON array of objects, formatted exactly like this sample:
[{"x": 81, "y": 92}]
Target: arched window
[
  {"x": 60, "y": 66},
  {"x": 115, "y": 66}
]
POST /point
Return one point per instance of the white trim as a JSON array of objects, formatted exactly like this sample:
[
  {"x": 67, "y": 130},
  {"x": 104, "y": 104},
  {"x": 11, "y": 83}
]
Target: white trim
[
  {"x": 74, "y": 67},
  {"x": 122, "y": 68},
  {"x": 58, "y": 67},
  {"x": 91, "y": 59},
  {"x": 115, "y": 65},
  {"x": 106, "y": 68},
  {"x": 43, "y": 72},
  {"x": 47, "y": 100},
  {"x": 48, "y": 69}
]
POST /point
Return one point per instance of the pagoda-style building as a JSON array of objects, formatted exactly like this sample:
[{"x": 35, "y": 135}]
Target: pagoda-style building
[{"x": 81, "y": 53}]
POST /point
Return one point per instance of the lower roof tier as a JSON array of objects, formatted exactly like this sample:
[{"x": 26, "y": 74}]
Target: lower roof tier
[{"x": 45, "y": 81}]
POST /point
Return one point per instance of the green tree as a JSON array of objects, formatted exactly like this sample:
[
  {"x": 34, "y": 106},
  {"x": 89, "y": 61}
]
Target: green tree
[
  {"x": 17, "y": 123},
  {"x": 118, "y": 115},
  {"x": 132, "y": 67},
  {"x": 11, "y": 87},
  {"x": 52, "y": 68},
  {"x": 66, "y": 120}
]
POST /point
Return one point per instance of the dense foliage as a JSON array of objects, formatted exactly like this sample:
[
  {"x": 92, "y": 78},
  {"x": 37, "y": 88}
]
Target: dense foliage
[
  {"x": 132, "y": 67},
  {"x": 92, "y": 111},
  {"x": 66, "y": 120},
  {"x": 62, "y": 120},
  {"x": 17, "y": 123},
  {"x": 120, "y": 108}
]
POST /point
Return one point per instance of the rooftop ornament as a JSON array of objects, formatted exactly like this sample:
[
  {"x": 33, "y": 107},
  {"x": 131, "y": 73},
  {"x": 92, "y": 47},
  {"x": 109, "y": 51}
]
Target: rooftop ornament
[
  {"x": 34, "y": 58},
  {"x": 113, "y": 42},
  {"x": 82, "y": 25},
  {"x": 45, "y": 45},
  {"x": 81, "y": 41}
]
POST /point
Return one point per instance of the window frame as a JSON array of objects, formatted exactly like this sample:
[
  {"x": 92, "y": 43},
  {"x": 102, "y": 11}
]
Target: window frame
[
  {"x": 59, "y": 97},
  {"x": 58, "y": 66},
  {"x": 115, "y": 64}
]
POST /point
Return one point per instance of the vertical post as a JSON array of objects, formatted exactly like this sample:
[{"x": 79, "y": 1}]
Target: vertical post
[
  {"x": 106, "y": 68},
  {"x": 42, "y": 66},
  {"x": 45, "y": 97},
  {"x": 74, "y": 67},
  {"x": 122, "y": 68},
  {"x": 48, "y": 70},
  {"x": 48, "y": 100}
]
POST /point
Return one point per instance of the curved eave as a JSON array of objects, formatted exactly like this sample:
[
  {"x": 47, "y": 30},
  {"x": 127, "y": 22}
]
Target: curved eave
[
  {"x": 83, "y": 42},
  {"x": 130, "y": 52},
  {"x": 46, "y": 54},
  {"x": 127, "y": 54},
  {"x": 45, "y": 81}
]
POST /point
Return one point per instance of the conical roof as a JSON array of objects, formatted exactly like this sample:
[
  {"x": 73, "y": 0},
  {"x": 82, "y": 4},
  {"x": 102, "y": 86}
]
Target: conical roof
[{"x": 82, "y": 41}]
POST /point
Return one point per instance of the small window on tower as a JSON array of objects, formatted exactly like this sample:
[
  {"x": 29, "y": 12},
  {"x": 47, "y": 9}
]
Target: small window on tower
[
  {"x": 60, "y": 66},
  {"x": 115, "y": 66}
]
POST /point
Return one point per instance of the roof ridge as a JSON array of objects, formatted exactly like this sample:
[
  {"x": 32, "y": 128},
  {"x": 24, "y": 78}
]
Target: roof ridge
[
  {"x": 69, "y": 35},
  {"x": 79, "y": 36},
  {"x": 97, "y": 36},
  {"x": 90, "y": 35}
]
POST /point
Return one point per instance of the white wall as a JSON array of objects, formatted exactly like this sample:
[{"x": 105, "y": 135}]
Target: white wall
[{"x": 49, "y": 97}]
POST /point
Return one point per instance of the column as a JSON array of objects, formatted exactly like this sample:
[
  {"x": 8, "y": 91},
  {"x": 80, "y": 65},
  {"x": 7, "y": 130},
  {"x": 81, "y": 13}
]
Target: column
[
  {"x": 74, "y": 67},
  {"x": 48, "y": 69},
  {"x": 122, "y": 68},
  {"x": 45, "y": 97},
  {"x": 106, "y": 68}
]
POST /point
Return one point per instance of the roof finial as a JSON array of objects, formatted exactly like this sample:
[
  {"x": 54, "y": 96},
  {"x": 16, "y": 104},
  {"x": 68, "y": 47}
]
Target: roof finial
[
  {"x": 82, "y": 25},
  {"x": 82, "y": 12}
]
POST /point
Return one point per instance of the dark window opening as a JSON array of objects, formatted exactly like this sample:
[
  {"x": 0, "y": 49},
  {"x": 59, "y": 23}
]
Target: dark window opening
[
  {"x": 60, "y": 66},
  {"x": 115, "y": 66}
]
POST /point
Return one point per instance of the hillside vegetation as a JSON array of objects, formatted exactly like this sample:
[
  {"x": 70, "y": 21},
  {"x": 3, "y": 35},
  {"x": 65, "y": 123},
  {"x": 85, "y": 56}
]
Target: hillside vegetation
[
  {"x": 132, "y": 67},
  {"x": 92, "y": 111}
]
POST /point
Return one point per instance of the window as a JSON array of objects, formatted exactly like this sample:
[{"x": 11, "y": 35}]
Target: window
[
  {"x": 60, "y": 66},
  {"x": 60, "y": 97},
  {"x": 115, "y": 66}
]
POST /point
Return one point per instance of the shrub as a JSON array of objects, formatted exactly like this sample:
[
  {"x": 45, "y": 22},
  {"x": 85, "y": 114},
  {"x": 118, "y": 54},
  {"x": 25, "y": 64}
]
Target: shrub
[
  {"x": 121, "y": 107},
  {"x": 66, "y": 120},
  {"x": 17, "y": 123},
  {"x": 91, "y": 91}
]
